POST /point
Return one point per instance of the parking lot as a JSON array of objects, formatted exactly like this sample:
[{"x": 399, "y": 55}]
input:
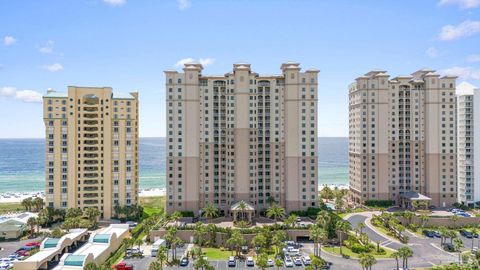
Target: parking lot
[{"x": 10, "y": 247}]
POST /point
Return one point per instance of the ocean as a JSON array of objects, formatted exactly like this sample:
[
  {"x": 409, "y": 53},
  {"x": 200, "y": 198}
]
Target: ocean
[{"x": 22, "y": 163}]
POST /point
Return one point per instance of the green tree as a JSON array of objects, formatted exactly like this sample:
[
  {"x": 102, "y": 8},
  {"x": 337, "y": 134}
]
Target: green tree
[
  {"x": 318, "y": 235},
  {"x": 326, "y": 193},
  {"x": 424, "y": 219},
  {"x": 408, "y": 215},
  {"x": 396, "y": 255},
  {"x": 154, "y": 265},
  {"x": 38, "y": 203},
  {"x": 262, "y": 260},
  {"x": 210, "y": 211},
  {"x": 361, "y": 226},
  {"x": 236, "y": 241},
  {"x": 278, "y": 263},
  {"x": 32, "y": 222},
  {"x": 259, "y": 241},
  {"x": 278, "y": 240},
  {"x": 367, "y": 261},
  {"x": 74, "y": 212},
  {"x": 57, "y": 232},
  {"x": 275, "y": 211},
  {"x": 458, "y": 245},
  {"x": 162, "y": 256},
  {"x": 200, "y": 234},
  {"x": 454, "y": 219},
  {"x": 291, "y": 220},
  {"x": 92, "y": 214},
  {"x": 27, "y": 203},
  {"x": 323, "y": 219},
  {"x": 342, "y": 228},
  {"x": 91, "y": 266},
  {"x": 317, "y": 263},
  {"x": 405, "y": 252}
]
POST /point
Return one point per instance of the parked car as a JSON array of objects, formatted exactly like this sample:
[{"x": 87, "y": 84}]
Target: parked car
[
  {"x": 466, "y": 233},
  {"x": 231, "y": 261},
  {"x": 428, "y": 233},
  {"x": 131, "y": 224},
  {"x": 297, "y": 261},
  {"x": 298, "y": 219},
  {"x": 306, "y": 260},
  {"x": 270, "y": 263},
  {"x": 30, "y": 244},
  {"x": 288, "y": 262},
  {"x": 250, "y": 261},
  {"x": 454, "y": 210},
  {"x": 184, "y": 261},
  {"x": 448, "y": 247},
  {"x": 437, "y": 234},
  {"x": 123, "y": 266}
]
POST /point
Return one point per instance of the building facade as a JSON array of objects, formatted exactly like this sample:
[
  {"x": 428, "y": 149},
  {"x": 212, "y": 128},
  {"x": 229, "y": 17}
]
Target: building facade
[
  {"x": 402, "y": 137},
  {"x": 468, "y": 111},
  {"x": 91, "y": 149},
  {"x": 241, "y": 137}
]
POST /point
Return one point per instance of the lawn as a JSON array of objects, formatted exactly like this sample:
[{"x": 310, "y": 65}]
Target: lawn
[
  {"x": 216, "y": 254},
  {"x": 9, "y": 207},
  {"x": 349, "y": 252},
  {"x": 152, "y": 205}
]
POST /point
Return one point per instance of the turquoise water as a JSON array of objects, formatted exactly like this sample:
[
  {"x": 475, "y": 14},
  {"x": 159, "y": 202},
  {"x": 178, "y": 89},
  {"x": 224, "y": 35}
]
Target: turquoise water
[{"x": 22, "y": 163}]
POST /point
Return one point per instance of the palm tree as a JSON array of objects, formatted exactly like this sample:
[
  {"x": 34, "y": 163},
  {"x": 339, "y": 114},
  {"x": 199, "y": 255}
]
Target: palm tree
[
  {"x": 27, "y": 203},
  {"x": 396, "y": 255},
  {"x": 317, "y": 263},
  {"x": 361, "y": 226},
  {"x": 275, "y": 211},
  {"x": 171, "y": 237},
  {"x": 342, "y": 227},
  {"x": 458, "y": 244},
  {"x": 210, "y": 211},
  {"x": 32, "y": 222},
  {"x": 454, "y": 219},
  {"x": 318, "y": 235},
  {"x": 242, "y": 205},
  {"x": 259, "y": 241},
  {"x": 162, "y": 256},
  {"x": 200, "y": 234},
  {"x": 424, "y": 218},
  {"x": 278, "y": 263},
  {"x": 278, "y": 240},
  {"x": 236, "y": 241},
  {"x": 405, "y": 252},
  {"x": 38, "y": 203},
  {"x": 474, "y": 232},
  {"x": 92, "y": 213},
  {"x": 367, "y": 261},
  {"x": 408, "y": 215},
  {"x": 323, "y": 218},
  {"x": 91, "y": 266},
  {"x": 290, "y": 220},
  {"x": 154, "y": 265}
]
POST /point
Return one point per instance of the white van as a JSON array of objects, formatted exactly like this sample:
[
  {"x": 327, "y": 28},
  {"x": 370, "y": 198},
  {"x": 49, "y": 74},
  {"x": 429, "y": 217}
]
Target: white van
[{"x": 156, "y": 246}]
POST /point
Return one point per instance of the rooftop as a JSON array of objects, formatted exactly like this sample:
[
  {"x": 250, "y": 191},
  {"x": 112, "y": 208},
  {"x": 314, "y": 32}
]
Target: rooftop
[{"x": 465, "y": 88}]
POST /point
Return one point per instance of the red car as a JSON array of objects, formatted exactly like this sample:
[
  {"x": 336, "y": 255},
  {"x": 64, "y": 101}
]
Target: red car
[
  {"x": 123, "y": 266},
  {"x": 31, "y": 244}
]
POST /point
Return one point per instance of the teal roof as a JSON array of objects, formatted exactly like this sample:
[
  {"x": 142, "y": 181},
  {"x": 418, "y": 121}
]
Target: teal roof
[
  {"x": 56, "y": 95},
  {"x": 122, "y": 96},
  {"x": 51, "y": 242},
  {"x": 74, "y": 260},
  {"x": 101, "y": 238}
]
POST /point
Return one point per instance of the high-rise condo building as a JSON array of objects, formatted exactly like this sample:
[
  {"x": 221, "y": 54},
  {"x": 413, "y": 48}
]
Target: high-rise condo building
[
  {"x": 402, "y": 137},
  {"x": 241, "y": 137},
  {"x": 91, "y": 148},
  {"x": 468, "y": 112}
]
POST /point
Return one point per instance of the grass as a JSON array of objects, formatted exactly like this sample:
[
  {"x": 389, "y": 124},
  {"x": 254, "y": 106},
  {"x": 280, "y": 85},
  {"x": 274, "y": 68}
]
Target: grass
[
  {"x": 11, "y": 207},
  {"x": 349, "y": 252},
  {"x": 217, "y": 254},
  {"x": 152, "y": 205}
]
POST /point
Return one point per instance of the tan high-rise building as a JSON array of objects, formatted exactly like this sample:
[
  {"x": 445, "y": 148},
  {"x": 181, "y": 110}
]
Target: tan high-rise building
[
  {"x": 241, "y": 137},
  {"x": 402, "y": 137},
  {"x": 91, "y": 148}
]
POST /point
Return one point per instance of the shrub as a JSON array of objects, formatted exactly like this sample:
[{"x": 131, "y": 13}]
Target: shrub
[
  {"x": 379, "y": 203},
  {"x": 381, "y": 251},
  {"x": 187, "y": 214},
  {"x": 357, "y": 248}
]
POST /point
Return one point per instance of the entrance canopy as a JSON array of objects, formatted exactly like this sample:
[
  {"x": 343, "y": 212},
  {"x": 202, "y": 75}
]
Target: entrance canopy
[
  {"x": 242, "y": 210},
  {"x": 414, "y": 199}
]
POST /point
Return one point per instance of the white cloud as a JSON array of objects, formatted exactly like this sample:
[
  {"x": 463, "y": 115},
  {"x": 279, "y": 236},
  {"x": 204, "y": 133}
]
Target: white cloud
[
  {"x": 431, "y": 52},
  {"x": 184, "y": 4},
  {"x": 48, "y": 47},
  {"x": 465, "y": 29},
  {"x": 22, "y": 95},
  {"x": 115, "y": 2},
  {"x": 7, "y": 91},
  {"x": 464, "y": 73},
  {"x": 9, "y": 40},
  {"x": 463, "y": 4},
  {"x": 473, "y": 58},
  {"x": 204, "y": 61},
  {"x": 54, "y": 67}
]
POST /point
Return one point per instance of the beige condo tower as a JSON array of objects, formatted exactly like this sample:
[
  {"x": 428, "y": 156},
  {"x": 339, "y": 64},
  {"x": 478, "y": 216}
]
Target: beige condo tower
[
  {"x": 91, "y": 148},
  {"x": 241, "y": 137},
  {"x": 402, "y": 137}
]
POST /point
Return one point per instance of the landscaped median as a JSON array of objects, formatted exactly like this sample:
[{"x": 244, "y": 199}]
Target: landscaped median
[{"x": 348, "y": 252}]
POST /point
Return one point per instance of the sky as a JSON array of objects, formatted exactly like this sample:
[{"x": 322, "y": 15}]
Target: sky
[{"x": 127, "y": 44}]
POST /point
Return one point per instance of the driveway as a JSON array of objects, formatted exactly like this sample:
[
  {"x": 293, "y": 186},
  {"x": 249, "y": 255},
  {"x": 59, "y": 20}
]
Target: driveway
[{"x": 426, "y": 251}]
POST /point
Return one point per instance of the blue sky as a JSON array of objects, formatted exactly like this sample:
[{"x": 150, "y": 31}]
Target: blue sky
[{"x": 126, "y": 44}]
